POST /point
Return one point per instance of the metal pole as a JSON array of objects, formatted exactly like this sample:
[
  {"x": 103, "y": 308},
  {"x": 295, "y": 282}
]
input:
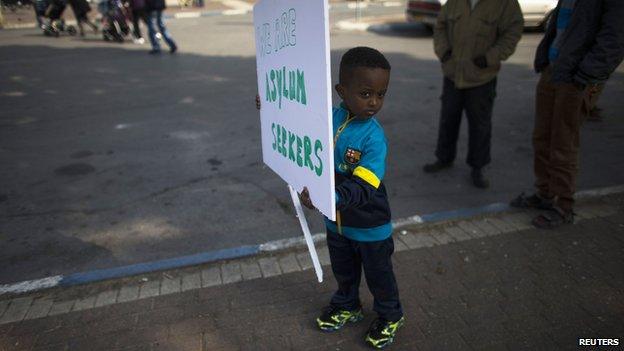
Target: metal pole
[{"x": 358, "y": 11}]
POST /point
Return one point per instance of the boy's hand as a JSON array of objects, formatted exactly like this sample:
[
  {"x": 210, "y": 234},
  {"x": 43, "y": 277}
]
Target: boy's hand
[
  {"x": 304, "y": 197},
  {"x": 257, "y": 101}
]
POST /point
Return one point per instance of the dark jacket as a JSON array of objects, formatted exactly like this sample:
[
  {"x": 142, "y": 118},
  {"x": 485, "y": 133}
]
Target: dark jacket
[
  {"x": 137, "y": 4},
  {"x": 592, "y": 46},
  {"x": 80, "y": 7},
  {"x": 155, "y": 5}
]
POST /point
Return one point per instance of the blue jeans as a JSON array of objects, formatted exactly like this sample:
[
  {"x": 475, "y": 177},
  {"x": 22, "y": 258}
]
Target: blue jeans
[{"x": 155, "y": 19}]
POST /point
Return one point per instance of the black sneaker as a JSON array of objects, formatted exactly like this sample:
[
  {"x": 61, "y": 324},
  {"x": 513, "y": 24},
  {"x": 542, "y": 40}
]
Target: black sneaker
[
  {"x": 382, "y": 332},
  {"x": 533, "y": 201},
  {"x": 478, "y": 179},
  {"x": 553, "y": 219},
  {"x": 436, "y": 166},
  {"x": 334, "y": 318}
]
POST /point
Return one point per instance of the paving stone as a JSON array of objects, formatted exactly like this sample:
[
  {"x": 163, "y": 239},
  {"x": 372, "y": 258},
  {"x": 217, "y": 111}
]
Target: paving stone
[
  {"x": 61, "y": 307},
  {"x": 269, "y": 266},
  {"x": 191, "y": 281},
  {"x": 170, "y": 285},
  {"x": 441, "y": 236},
  {"x": 39, "y": 308},
  {"x": 149, "y": 288},
  {"x": 305, "y": 261},
  {"x": 503, "y": 225},
  {"x": 289, "y": 264},
  {"x": 84, "y": 303},
  {"x": 487, "y": 227},
  {"x": 231, "y": 272},
  {"x": 128, "y": 293},
  {"x": 211, "y": 277},
  {"x": 17, "y": 309},
  {"x": 106, "y": 298},
  {"x": 457, "y": 233},
  {"x": 418, "y": 240},
  {"x": 471, "y": 229},
  {"x": 399, "y": 245},
  {"x": 323, "y": 255},
  {"x": 250, "y": 270},
  {"x": 3, "y": 306},
  {"x": 520, "y": 220}
]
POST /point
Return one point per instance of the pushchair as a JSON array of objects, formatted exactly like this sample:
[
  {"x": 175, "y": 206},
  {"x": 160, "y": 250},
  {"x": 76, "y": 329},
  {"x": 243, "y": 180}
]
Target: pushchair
[
  {"x": 56, "y": 24},
  {"x": 114, "y": 24}
]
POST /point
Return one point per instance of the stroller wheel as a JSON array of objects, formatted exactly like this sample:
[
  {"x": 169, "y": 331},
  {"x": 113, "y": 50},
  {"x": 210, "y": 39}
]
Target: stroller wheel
[{"x": 71, "y": 30}]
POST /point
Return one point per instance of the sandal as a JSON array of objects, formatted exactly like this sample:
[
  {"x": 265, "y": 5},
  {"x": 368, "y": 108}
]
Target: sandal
[
  {"x": 533, "y": 201},
  {"x": 553, "y": 220}
]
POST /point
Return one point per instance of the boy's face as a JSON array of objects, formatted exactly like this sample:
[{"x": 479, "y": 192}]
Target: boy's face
[{"x": 364, "y": 92}]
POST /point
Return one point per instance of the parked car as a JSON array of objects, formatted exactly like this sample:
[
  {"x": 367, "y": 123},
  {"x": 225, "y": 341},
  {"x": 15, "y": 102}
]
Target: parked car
[{"x": 536, "y": 12}]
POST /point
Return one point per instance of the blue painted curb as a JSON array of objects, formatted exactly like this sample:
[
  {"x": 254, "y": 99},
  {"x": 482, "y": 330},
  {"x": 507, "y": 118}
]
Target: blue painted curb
[{"x": 148, "y": 267}]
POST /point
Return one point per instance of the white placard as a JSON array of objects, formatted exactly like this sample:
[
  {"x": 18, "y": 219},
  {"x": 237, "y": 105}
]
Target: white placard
[{"x": 294, "y": 84}]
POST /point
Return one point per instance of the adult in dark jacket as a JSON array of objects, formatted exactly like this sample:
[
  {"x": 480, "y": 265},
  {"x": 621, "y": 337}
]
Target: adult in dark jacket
[
  {"x": 81, "y": 9},
  {"x": 583, "y": 45},
  {"x": 155, "y": 9}
]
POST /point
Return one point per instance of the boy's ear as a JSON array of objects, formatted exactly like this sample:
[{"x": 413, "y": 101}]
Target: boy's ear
[{"x": 340, "y": 90}]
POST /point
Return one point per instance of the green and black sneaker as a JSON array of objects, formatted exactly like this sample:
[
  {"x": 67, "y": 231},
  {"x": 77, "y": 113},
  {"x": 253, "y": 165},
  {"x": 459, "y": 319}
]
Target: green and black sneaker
[
  {"x": 334, "y": 318},
  {"x": 381, "y": 332}
]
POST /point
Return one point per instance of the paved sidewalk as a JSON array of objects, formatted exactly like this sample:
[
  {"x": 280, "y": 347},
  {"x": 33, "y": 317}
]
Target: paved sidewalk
[{"x": 486, "y": 283}]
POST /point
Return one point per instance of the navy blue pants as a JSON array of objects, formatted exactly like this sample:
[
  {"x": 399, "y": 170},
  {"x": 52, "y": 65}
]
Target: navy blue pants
[{"x": 347, "y": 259}]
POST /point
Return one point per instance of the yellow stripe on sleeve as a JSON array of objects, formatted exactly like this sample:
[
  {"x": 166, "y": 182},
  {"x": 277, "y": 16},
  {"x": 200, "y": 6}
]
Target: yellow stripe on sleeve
[{"x": 367, "y": 176}]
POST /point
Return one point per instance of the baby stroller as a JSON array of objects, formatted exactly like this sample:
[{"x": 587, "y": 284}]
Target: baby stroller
[
  {"x": 114, "y": 24},
  {"x": 56, "y": 24}
]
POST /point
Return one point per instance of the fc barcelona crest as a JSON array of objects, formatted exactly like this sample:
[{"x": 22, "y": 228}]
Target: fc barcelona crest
[{"x": 352, "y": 156}]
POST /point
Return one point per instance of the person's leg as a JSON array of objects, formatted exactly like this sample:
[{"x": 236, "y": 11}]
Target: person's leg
[
  {"x": 377, "y": 262},
  {"x": 347, "y": 268},
  {"x": 376, "y": 258},
  {"x": 150, "y": 19},
  {"x": 542, "y": 130},
  {"x": 479, "y": 105},
  {"x": 450, "y": 120},
  {"x": 80, "y": 27},
  {"x": 565, "y": 140},
  {"x": 136, "y": 30},
  {"x": 164, "y": 32}
]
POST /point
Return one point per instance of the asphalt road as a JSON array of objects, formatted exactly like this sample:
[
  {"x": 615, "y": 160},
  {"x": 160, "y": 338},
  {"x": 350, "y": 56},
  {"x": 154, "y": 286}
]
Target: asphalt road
[{"x": 110, "y": 156}]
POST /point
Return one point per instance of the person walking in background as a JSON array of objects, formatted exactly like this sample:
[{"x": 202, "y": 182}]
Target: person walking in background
[
  {"x": 137, "y": 8},
  {"x": 155, "y": 9},
  {"x": 81, "y": 10},
  {"x": 583, "y": 45},
  {"x": 471, "y": 38}
]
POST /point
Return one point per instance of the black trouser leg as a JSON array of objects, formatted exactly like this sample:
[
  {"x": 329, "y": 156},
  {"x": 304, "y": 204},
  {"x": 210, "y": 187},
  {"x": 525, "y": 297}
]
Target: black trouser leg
[
  {"x": 376, "y": 258},
  {"x": 347, "y": 268},
  {"x": 450, "y": 120},
  {"x": 479, "y": 103},
  {"x": 136, "y": 16}
]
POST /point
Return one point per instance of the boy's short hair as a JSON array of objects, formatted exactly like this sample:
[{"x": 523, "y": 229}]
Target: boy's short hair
[{"x": 361, "y": 56}]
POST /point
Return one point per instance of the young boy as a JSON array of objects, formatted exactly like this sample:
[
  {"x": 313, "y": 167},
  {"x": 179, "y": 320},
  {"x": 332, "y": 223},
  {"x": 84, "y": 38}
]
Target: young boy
[{"x": 361, "y": 235}]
